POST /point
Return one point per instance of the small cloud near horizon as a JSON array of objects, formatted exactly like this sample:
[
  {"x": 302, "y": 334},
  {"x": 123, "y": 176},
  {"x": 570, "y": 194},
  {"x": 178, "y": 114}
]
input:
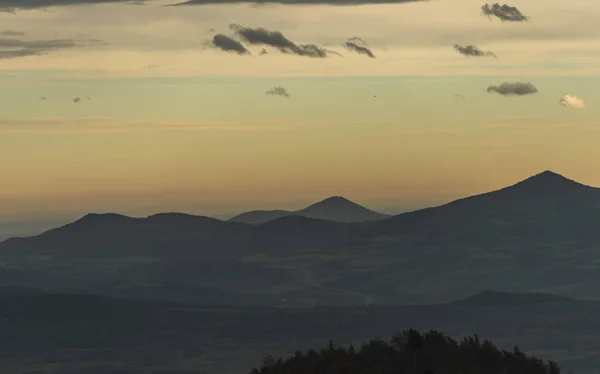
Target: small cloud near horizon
[
  {"x": 569, "y": 101},
  {"x": 471, "y": 50},
  {"x": 503, "y": 12},
  {"x": 513, "y": 89},
  {"x": 278, "y": 91}
]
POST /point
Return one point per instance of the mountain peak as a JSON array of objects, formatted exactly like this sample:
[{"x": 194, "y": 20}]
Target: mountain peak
[
  {"x": 548, "y": 182},
  {"x": 337, "y": 200},
  {"x": 95, "y": 218},
  {"x": 340, "y": 209}
]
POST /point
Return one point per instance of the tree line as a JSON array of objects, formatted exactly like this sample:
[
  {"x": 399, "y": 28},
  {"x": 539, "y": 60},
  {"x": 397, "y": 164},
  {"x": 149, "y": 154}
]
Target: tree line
[{"x": 411, "y": 352}]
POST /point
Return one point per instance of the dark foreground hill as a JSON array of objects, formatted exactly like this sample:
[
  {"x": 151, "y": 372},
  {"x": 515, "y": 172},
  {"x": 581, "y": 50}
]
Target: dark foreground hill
[
  {"x": 88, "y": 334},
  {"x": 411, "y": 352},
  {"x": 539, "y": 235},
  {"x": 336, "y": 208}
]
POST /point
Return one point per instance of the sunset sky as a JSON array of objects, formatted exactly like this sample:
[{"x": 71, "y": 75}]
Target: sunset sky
[{"x": 166, "y": 122}]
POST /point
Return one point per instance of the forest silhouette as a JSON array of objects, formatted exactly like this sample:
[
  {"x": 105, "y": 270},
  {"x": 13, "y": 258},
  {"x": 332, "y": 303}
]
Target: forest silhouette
[{"x": 411, "y": 352}]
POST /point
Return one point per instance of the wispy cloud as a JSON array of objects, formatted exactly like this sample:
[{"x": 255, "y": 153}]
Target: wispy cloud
[
  {"x": 513, "y": 89},
  {"x": 569, "y": 101},
  {"x": 12, "y": 33},
  {"x": 14, "y": 5},
  {"x": 278, "y": 91},
  {"x": 277, "y": 40},
  {"x": 94, "y": 125},
  {"x": 504, "y": 12},
  {"x": 14, "y": 48},
  {"x": 358, "y": 45},
  {"x": 471, "y": 50}
]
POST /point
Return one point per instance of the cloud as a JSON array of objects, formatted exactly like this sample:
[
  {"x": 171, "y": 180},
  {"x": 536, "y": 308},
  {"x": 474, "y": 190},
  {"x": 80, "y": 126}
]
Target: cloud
[
  {"x": 503, "y": 12},
  {"x": 277, "y": 40},
  {"x": 278, "y": 91},
  {"x": 297, "y": 2},
  {"x": 77, "y": 99},
  {"x": 225, "y": 43},
  {"x": 569, "y": 101},
  {"x": 14, "y": 48},
  {"x": 43, "y": 98},
  {"x": 460, "y": 96},
  {"x": 12, "y": 33},
  {"x": 359, "y": 46},
  {"x": 471, "y": 50},
  {"x": 263, "y": 52},
  {"x": 513, "y": 88},
  {"x": 14, "y": 5}
]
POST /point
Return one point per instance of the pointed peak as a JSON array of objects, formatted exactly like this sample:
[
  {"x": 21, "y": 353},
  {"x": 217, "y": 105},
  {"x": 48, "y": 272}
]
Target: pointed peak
[
  {"x": 549, "y": 175},
  {"x": 548, "y": 182}
]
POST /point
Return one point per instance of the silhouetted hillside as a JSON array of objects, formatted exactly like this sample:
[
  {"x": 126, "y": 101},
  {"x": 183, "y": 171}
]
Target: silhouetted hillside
[
  {"x": 539, "y": 235},
  {"x": 340, "y": 209},
  {"x": 169, "y": 234},
  {"x": 545, "y": 207},
  {"x": 336, "y": 208},
  {"x": 256, "y": 217},
  {"x": 495, "y": 298},
  {"x": 411, "y": 352}
]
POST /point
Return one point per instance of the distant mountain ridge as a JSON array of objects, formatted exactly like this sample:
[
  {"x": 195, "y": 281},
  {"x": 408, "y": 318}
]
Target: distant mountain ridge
[
  {"x": 335, "y": 208},
  {"x": 538, "y": 235},
  {"x": 489, "y": 298}
]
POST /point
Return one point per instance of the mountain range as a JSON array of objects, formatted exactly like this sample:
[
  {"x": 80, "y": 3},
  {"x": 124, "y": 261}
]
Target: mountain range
[
  {"x": 335, "y": 208},
  {"x": 538, "y": 235}
]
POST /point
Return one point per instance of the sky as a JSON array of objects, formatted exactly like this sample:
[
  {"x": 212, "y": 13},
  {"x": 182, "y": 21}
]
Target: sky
[{"x": 132, "y": 108}]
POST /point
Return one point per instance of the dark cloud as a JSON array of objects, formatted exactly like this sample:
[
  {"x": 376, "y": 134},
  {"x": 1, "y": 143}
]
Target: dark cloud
[
  {"x": 77, "y": 99},
  {"x": 358, "y": 45},
  {"x": 263, "y": 52},
  {"x": 471, "y": 50},
  {"x": 503, "y": 12},
  {"x": 225, "y": 43},
  {"x": 278, "y": 91},
  {"x": 12, "y": 33},
  {"x": 14, "y": 5},
  {"x": 514, "y": 88},
  {"x": 277, "y": 40},
  {"x": 43, "y": 98},
  {"x": 14, "y": 48},
  {"x": 297, "y": 2}
]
